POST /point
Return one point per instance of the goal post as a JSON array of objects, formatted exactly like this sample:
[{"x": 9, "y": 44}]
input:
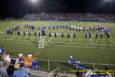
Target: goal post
[{"x": 41, "y": 41}]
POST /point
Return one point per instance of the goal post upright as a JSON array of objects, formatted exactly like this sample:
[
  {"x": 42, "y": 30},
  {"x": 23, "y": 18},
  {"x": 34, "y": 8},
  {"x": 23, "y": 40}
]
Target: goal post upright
[
  {"x": 71, "y": 35},
  {"x": 41, "y": 42}
]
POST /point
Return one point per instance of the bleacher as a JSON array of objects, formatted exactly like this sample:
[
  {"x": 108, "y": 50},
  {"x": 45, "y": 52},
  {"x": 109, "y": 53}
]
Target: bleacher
[{"x": 71, "y": 16}]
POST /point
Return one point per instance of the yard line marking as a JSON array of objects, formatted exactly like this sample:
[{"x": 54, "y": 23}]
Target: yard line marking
[
  {"x": 87, "y": 44},
  {"x": 51, "y": 73},
  {"x": 61, "y": 42},
  {"x": 2, "y": 32},
  {"x": 16, "y": 40},
  {"x": 84, "y": 47},
  {"x": 65, "y": 60},
  {"x": 91, "y": 41},
  {"x": 95, "y": 44},
  {"x": 50, "y": 39},
  {"x": 111, "y": 41}
]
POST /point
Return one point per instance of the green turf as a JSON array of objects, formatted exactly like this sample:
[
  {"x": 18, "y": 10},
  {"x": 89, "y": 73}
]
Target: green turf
[{"x": 86, "y": 50}]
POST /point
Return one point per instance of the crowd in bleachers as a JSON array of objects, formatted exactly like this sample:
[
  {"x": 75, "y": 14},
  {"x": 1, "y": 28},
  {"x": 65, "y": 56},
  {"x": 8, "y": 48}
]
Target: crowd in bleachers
[
  {"x": 71, "y": 16},
  {"x": 16, "y": 67}
]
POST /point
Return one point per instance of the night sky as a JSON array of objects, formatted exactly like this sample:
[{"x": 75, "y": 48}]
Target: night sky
[{"x": 18, "y": 8}]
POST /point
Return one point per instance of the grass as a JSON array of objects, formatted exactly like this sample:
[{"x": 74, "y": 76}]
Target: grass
[{"x": 86, "y": 50}]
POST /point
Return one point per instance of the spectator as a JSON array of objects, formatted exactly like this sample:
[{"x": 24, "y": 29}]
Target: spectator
[
  {"x": 3, "y": 69},
  {"x": 19, "y": 59},
  {"x": 22, "y": 71},
  {"x": 7, "y": 58},
  {"x": 10, "y": 71},
  {"x": 2, "y": 50}
]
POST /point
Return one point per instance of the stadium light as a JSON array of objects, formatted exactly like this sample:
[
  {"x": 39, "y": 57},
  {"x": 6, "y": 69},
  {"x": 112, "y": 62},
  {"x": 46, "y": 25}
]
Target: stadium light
[
  {"x": 108, "y": 1},
  {"x": 34, "y": 1}
]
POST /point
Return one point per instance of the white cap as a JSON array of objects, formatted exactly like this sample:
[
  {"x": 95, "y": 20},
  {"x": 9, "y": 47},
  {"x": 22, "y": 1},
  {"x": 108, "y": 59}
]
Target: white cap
[
  {"x": 71, "y": 56},
  {"x": 29, "y": 55},
  {"x": 20, "y": 55}
]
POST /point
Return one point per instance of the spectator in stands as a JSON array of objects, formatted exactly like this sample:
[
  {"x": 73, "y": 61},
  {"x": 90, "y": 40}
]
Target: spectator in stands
[
  {"x": 7, "y": 58},
  {"x": 19, "y": 59},
  {"x": 10, "y": 70},
  {"x": 2, "y": 50},
  {"x": 3, "y": 69},
  {"x": 22, "y": 71}
]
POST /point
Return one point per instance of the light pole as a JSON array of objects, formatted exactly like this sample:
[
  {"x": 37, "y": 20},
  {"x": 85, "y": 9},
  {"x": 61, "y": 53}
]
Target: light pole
[
  {"x": 33, "y": 3},
  {"x": 109, "y": 2}
]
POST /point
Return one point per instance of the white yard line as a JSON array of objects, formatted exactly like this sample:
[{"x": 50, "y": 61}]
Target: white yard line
[
  {"x": 85, "y": 47},
  {"x": 94, "y": 44},
  {"x": 13, "y": 39},
  {"x": 51, "y": 73},
  {"x": 2, "y": 32},
  {"x": 87, "y": 44},
  {"x": 50, "y": 39},
  {"x": 91, "y": 41},
  {"x": 113, "y": 42},
  {"x": 64, "y": 61}
]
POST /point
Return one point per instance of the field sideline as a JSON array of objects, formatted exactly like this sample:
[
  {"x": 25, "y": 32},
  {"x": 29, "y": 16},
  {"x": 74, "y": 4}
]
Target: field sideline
[{"x": 86, "y": 50}]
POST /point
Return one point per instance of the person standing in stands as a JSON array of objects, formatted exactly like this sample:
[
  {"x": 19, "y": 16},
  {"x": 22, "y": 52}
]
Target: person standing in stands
[
  {"x": 22, "y": 71},
  {"x": 2, "y": 50},
  {"x": 3, "y": 69},
  {"x": 19, "y": 59},
  {"x": 2, "y": 53},
  {"x": 10, "y": 71}
]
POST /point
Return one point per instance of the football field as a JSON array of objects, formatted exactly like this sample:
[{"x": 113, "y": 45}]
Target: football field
[{"x": 57, "y": 48}]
